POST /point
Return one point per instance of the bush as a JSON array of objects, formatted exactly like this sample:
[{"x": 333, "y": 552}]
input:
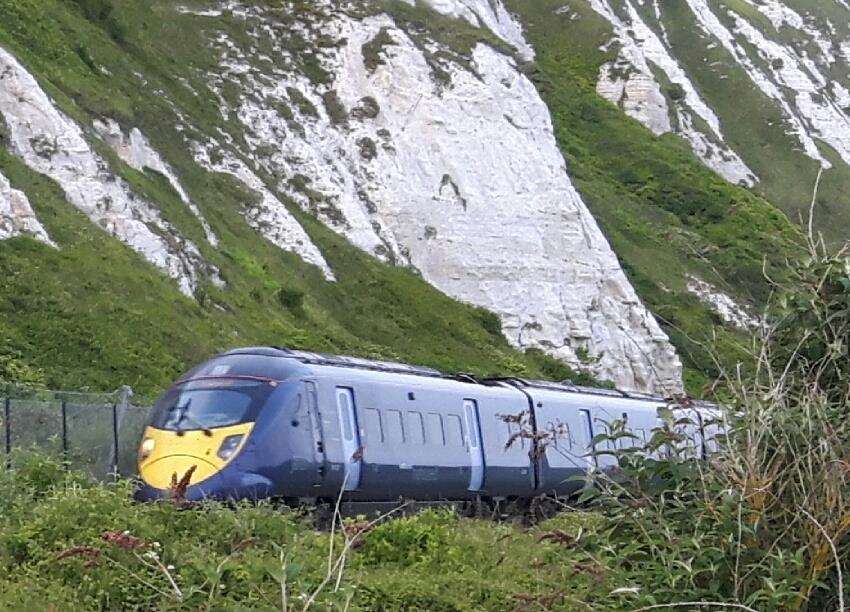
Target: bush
[
  {"x": 490, "y": 322},
  {"x": 4, "y": 132},
  {"x": 410, "y": 540},
  {"x": 15, "y": 371},
  {"x": 766, "y": 523},
  {"x": 676, "y": 92},
  {"x": 102, "y": 13},
  {"x": 291, "y": 299},
  {"x": 84, "y": 54}
]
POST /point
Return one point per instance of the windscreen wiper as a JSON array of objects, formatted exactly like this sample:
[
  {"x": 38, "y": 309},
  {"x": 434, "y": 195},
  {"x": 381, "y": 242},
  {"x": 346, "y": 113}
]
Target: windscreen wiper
[
  {"x": 184, "y": 409},
  {"x": 207, "y": 431}
]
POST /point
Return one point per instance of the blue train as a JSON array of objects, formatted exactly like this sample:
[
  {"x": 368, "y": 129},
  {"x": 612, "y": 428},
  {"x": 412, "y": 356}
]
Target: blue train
[{"x": 262, "y": 422}]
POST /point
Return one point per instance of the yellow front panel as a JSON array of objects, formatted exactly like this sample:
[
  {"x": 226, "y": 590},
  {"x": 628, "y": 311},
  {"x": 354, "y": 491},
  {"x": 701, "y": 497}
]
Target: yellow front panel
[{"x": 175, "y": 455}]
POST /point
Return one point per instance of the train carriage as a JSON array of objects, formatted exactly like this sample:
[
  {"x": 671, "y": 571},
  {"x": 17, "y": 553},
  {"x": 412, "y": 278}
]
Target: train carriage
[{"x": 264, "y": 422}]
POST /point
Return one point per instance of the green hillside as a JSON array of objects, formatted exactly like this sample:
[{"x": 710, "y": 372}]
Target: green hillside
[{"x": 93, "y": 314}]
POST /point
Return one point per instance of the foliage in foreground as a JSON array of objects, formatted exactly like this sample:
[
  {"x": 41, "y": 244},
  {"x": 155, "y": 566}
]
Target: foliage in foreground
[
  {"x": 765, "y": 523},
  {"x": 74, "y": 544}
]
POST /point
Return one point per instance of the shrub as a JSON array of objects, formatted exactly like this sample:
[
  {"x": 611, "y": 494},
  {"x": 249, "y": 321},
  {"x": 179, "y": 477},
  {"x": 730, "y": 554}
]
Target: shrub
[
  {"x": 291, "y": 299},
  {"x": 335, "y": 107},
  {"x": 373, "y": 51},
  {"x": 102, "y": 14},
  {"x": 15, "y": 371},
  {"x": 84, "y": 54},
  {"x": 4, "y": 132},
  {"x": 766, "y": 523},
  {"x": 409, "y": 540},
  {"x": 676, "y": 92},
  {"x": 490, "y": 322}
]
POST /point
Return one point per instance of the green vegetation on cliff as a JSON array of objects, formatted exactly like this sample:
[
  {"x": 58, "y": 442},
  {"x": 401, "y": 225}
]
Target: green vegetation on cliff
[{"x": 666, "y": 215}]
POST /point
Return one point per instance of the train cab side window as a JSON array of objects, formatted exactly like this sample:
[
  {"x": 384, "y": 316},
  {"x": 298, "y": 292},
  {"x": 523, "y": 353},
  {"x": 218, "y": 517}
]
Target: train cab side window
[
  {"x": 416, "y": 427},
  {"x": 436, "y": 434},
  {"x": 454, "y": 430}
]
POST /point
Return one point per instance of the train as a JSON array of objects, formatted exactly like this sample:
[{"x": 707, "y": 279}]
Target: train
[{"x": 270, "y": 422}]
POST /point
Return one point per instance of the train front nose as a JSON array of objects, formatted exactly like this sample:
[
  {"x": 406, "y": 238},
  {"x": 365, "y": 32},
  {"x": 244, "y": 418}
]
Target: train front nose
[{"x": 169, "y": 457}]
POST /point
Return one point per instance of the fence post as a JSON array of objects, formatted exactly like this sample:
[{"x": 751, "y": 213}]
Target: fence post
[
  {"x": 7, "y": 425},
  {"x": 124, "y": 395},
  {"x": 65, "y": 433},
  {"x": 115, "y": 441}
]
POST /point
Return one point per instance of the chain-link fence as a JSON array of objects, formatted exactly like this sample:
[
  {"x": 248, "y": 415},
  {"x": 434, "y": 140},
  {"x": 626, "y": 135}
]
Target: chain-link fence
[{"x": 95, "y": 432}]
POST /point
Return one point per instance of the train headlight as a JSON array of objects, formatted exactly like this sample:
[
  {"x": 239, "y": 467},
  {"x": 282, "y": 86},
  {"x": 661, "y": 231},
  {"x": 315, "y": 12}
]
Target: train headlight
[
  {"x": 229, "y": 446},
  {"x": 146, "y": 448}
]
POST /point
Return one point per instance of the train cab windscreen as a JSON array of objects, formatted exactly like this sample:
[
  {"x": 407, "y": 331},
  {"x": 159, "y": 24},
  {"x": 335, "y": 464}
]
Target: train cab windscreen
[{"x": 208, "y": 404}]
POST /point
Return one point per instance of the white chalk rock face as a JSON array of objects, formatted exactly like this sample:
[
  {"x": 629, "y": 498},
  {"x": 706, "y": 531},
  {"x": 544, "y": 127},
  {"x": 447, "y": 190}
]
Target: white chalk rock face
[
  {"x": 462, "y": 181},
  {"x": 630, "y": 83},
  {"x": 730, "y": 311},
  {"x": 53, "y": 145},
  {"x": 636, "y": 92},
  {"x": 17, "y": 217},
  {"x": 473, "y": 188},
  {"x": 800, "y": 61},
  {"x": 811, "y": 98},
  {"x": 135, "y": 150},
  {"x": 711, "y": 25},
  {"x": 486, "y": 14},
  {"x": 269, "y": 216}
]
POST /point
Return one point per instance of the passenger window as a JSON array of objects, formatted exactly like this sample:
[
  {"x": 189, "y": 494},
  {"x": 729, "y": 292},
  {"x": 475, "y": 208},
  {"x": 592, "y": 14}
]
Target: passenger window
[
  {"x": 374, "y": 427},
  {"x": 454, "y": 430},
  {"x": 395, "y": 428},
  {"x": 416, "y": 427},
  {"x": 435, "y": 429},
  {"x": 601, "y": 429},
  {"x": 561, "y": 435}
]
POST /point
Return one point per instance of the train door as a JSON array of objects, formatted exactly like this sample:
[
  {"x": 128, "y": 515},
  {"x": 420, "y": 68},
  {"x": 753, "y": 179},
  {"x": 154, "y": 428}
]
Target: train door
[
  {"x": 351, "y": 449},
  {"x": 587, "y": 429},
  {"x": 473, "y": 443},
  {"x": 315, "y": 426}
]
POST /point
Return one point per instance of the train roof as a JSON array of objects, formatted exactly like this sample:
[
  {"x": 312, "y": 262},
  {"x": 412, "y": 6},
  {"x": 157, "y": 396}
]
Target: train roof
[{"x": 344, "y": 361}]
